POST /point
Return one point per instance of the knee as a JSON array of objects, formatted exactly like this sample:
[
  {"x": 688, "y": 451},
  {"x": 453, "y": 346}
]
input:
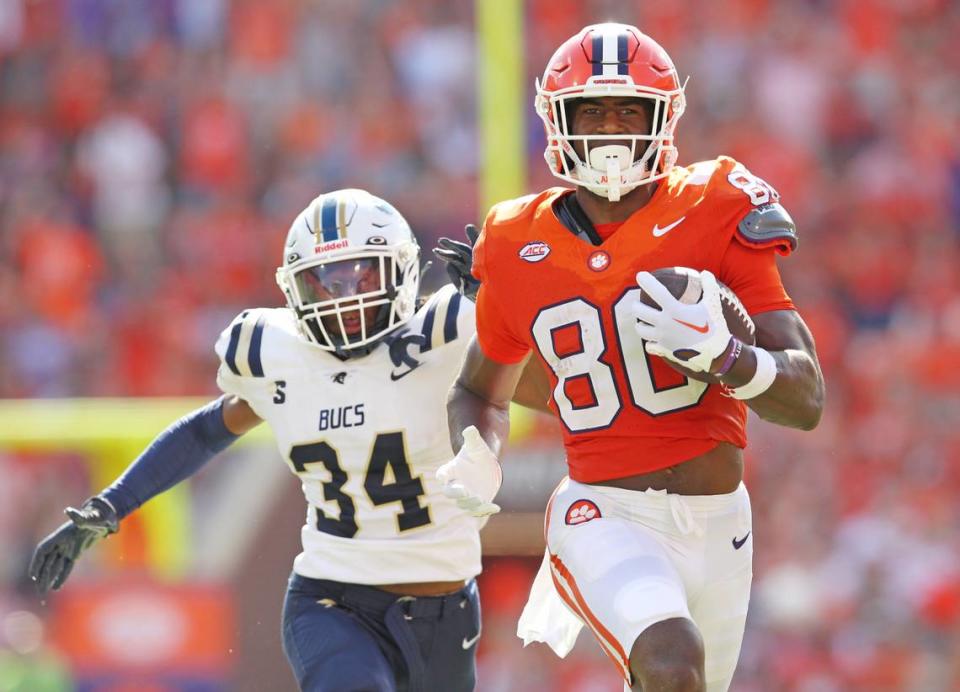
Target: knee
[{"x": 668, "y": 657}]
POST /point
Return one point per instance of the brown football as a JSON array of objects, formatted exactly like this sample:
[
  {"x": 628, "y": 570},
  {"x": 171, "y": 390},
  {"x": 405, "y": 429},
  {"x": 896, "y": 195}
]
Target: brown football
[{"x": 684, "y": 285}]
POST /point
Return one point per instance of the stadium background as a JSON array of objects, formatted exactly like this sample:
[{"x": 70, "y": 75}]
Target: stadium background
[{"x": 152, "y": 155}]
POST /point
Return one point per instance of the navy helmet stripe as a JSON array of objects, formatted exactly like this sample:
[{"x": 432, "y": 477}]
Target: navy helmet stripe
[
  {"x": 231, "y": 355},
  {"x": 253, "y": 357},
  {"x": 328, "y": 218},
  {"x": 428, "y": 327},
  {"x": 622, "y": 54},
  {"x": 450, "y": 321},
  {"x": 596, "y": 57}
]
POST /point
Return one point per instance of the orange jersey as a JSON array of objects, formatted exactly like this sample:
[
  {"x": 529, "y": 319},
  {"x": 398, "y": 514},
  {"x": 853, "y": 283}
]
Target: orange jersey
[{"x": 544, "y": 289}]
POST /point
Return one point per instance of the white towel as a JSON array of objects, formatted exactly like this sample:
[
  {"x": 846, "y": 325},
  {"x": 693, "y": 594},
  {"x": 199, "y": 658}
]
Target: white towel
[{"x": 546, "y": 618}]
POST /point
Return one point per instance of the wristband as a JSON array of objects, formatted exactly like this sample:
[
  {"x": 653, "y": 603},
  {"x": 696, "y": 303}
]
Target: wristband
[
  {"x": 731, "y": 357},
  {"x": 762, "y": 379}
]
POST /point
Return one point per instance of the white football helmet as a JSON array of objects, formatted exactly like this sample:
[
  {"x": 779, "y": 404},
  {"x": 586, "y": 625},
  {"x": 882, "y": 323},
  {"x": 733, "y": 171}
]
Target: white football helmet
[{"x": 350, "y": 272}]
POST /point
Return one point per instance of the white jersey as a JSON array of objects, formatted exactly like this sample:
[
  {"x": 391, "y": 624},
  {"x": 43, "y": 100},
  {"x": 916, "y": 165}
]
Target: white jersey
[{"x": 365, "y": 436}]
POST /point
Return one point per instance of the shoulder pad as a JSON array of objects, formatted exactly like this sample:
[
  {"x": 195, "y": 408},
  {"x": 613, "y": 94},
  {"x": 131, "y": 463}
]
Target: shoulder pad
[
  {"x": 519, "y": 208},
  {"x": 698, "y": 173},
  {"x": 768, "y": 225},
  {"x": 240, "y": 344},
  {"x": 439, "y": 323}
]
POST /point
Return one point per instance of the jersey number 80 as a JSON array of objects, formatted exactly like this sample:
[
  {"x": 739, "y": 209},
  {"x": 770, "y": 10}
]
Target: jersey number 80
[{"x": 586, "y": 363}]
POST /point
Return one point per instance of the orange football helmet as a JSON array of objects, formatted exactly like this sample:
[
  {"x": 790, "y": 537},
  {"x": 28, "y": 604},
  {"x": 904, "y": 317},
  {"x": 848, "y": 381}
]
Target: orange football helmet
[{"x": 610, "y": 60}]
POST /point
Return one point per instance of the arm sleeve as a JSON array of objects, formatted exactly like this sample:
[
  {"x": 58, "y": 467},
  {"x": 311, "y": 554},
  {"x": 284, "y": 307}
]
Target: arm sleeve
[
  {"x": 497, "y": 340},
  {"x": 174, "y": 455},
  {"x": 753, "y": 276}
]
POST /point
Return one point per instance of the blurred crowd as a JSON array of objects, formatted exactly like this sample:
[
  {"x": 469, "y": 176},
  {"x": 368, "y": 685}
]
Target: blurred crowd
[{"x": 154, "y": 152}]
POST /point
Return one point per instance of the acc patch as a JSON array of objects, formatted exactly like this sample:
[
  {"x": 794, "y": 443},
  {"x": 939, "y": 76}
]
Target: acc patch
[
  {"x": 534, "y": 252},
  {"x": 582, "y": 511}
]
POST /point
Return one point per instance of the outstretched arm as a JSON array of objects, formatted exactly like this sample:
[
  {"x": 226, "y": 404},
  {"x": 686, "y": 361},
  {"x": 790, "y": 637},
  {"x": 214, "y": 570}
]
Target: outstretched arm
[
  {"x": 534, "y": 388},
  {"x": 481, "y": 397},
  {"x": 174, "y": 455},
  {"x": 479, "y": 418},
  {"x": 180, "y": 451}
]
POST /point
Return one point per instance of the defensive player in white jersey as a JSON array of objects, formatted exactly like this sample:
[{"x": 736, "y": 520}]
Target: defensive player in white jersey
[{"x": 352, "y": 377}]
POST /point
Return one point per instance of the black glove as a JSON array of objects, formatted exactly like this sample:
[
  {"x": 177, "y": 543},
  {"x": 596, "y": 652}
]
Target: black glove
[
  {"x": 458, "y": 259},
  {"x": 54, "y": 557}
]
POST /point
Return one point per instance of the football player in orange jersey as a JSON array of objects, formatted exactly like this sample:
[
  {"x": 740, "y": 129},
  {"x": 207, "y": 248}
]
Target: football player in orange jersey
[{"x": 648, "y": 539}]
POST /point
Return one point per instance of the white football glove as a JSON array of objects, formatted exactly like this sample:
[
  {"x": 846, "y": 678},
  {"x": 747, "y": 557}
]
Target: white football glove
[
  {"x": 473, "y": 477},
  {"x": 690, "y": 335}
]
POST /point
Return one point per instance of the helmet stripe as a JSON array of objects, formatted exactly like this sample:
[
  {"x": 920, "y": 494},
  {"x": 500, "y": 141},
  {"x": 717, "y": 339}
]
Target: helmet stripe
[
  {"x": 328, "y": 218},
  {"x": 342, "y": 218},
  {"x": 609, "y": 53},
  {"x": 622, "y": 54}
]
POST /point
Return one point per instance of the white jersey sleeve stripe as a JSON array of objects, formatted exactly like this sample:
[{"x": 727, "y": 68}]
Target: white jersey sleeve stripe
[
  {"x": 247, "y": 355},
  {"x": 231, "y": 356},
  {"x": 256, "y": 339},
  {"x": 450, "y": 321},
  {"x": 440, "y": 321},
  {"x": 428, "y": 321}
]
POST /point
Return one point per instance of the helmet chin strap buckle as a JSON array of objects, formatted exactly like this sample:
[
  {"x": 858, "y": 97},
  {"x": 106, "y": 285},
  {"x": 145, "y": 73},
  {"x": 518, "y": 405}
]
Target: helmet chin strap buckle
[{"x": 610, "y": 161}]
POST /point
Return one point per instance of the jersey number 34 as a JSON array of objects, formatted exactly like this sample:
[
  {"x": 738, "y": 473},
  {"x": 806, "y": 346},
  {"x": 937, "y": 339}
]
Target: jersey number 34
[{"x": 388, "y": 450}]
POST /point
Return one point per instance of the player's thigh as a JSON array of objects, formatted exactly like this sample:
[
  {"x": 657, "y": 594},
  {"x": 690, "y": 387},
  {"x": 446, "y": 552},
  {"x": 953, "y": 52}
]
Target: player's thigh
[
  {"x": 330, "y": 651},
  {"x": 451, "y": 642},
  {"x": 720, "y": 610},
  {"x": 619, "y": 578}
]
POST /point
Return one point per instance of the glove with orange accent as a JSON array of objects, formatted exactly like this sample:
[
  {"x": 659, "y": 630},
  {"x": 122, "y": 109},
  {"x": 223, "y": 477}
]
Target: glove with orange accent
[
  {"x": 473, "y": 477},
  {"x": 692, "y": 335}
]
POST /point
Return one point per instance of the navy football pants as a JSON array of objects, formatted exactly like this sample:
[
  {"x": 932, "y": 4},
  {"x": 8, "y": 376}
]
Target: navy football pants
[{"x": 354, "y": 638}]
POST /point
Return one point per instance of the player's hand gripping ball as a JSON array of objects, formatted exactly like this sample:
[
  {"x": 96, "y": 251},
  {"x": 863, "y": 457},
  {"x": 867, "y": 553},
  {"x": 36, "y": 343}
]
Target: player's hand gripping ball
[{"x": 687, "y": 317}]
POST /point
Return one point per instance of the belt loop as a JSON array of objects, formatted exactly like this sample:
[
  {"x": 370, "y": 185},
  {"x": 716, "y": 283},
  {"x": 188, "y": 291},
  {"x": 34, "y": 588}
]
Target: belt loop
[{"x": 397, "y": 621}]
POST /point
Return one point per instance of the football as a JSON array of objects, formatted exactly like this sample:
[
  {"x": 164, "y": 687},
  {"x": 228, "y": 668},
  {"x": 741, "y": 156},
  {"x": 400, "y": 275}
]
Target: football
[{"x": 684, "y": 285}]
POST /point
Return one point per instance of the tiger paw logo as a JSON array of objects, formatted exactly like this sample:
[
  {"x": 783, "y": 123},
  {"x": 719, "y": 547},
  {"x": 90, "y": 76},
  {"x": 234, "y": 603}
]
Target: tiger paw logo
[
  {"x": 582, "y": 511},
  {"x": 598, "y": 261}
]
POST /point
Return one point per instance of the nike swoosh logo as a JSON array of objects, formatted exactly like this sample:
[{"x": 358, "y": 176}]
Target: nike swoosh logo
[
  {"x": 657, "y": 231},
  {"x": 394, "y": 376},
  {"x": 467, "y": 643},
  {"x": 739, "y": 544},
  {"x": 695, "y": 327}
]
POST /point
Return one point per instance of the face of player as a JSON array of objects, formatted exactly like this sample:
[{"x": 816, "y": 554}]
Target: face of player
[
  {"x": 610, "y": 115},
  {"x": 341, "y": 280}
]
